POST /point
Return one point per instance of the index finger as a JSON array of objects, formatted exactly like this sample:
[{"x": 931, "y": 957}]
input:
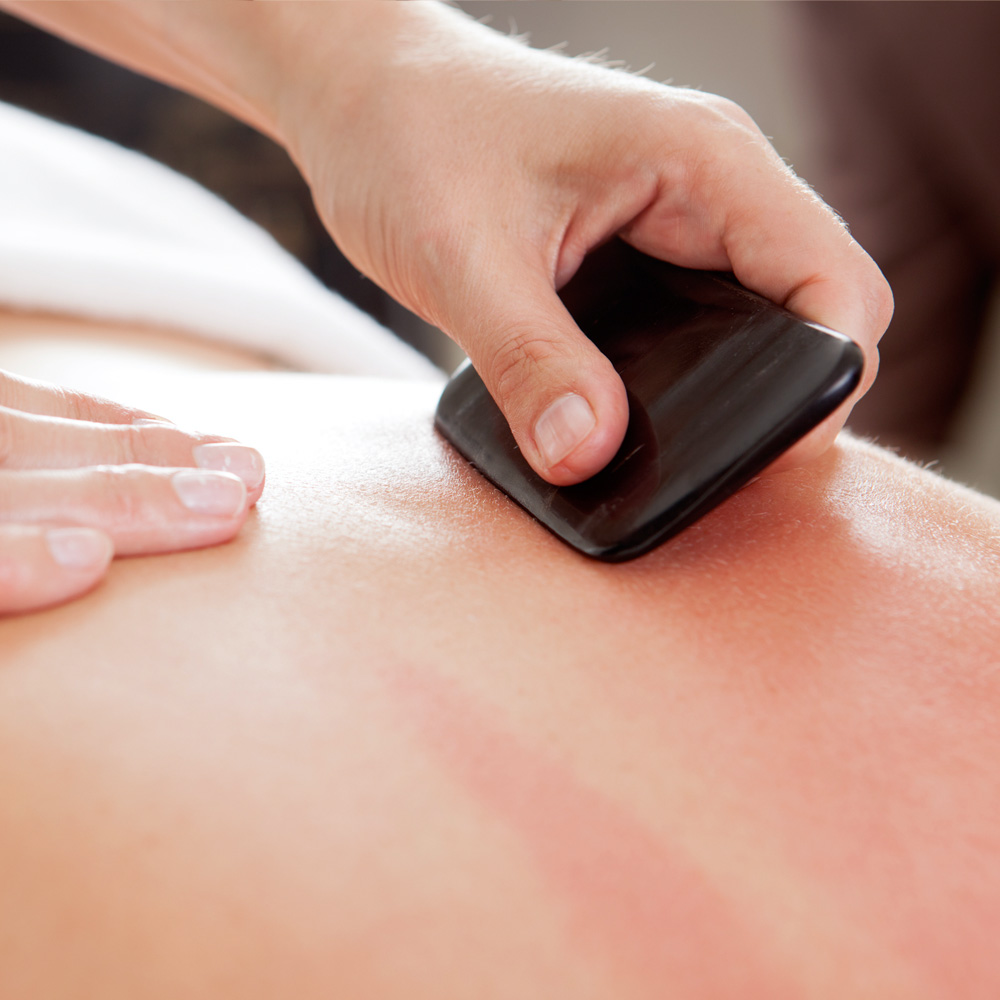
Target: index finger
[
  {"x": 743, "y": 209},
  {"x": 49, "y": 400}
]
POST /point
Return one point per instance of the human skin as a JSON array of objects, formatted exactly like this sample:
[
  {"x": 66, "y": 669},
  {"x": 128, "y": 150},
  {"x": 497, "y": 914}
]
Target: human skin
[
  {"x": 396, "y": 740},
  {"x": 469, "y": 175},
  {"x": 83, "y": 478}
]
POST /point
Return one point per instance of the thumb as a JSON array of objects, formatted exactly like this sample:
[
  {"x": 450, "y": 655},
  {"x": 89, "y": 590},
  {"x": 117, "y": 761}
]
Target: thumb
[{"x": 564, "y": 401}]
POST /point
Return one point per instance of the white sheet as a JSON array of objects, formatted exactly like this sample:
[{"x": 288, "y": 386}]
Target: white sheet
[{"x": 89, "y": 228}]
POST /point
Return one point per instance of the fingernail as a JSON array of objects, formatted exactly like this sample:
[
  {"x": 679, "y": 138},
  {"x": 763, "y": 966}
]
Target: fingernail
[
  {"x": 562, "y": 427},
  {"x": 247, "y": 463},
  {"x": 215, "y": 493},
  {"x": 79, "y": 548}
]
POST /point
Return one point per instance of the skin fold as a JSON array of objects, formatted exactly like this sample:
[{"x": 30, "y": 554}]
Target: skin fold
[{"x": 396, "y": 740}]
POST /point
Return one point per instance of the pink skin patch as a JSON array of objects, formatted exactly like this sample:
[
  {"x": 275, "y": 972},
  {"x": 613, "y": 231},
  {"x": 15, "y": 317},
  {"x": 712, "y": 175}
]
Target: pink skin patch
[{"x": 648, "y": 913}]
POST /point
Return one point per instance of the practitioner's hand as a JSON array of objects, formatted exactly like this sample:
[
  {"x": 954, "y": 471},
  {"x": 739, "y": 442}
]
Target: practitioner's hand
[
  {"x": 83, "y": 479},
  {"x": 469, "y": 175}
]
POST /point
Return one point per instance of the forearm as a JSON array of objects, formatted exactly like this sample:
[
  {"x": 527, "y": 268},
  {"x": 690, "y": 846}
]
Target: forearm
[{"x": 239, "y": 56}]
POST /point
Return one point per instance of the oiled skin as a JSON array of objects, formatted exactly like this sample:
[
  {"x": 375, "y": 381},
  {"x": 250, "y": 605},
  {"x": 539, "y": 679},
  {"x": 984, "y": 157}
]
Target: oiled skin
[{"x": 396, "y": 741}]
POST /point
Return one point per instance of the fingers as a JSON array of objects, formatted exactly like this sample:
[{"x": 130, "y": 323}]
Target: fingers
[
  {"x": 745, "y": 210},
  {"x": 141, "y": 509},
  {"x": 564, "y": 401},
  {"x": 61, "y": 528},
  {"x": 83, "y": 479},
  {"x": 41, "y": 566},
  {"x": 723, "y": 199},
  {"x": 30, "y": 441},
  {"x": 814, "y": 269},
  {"x": 46, "y": 399},
  {"x": 742, "y": 207}
]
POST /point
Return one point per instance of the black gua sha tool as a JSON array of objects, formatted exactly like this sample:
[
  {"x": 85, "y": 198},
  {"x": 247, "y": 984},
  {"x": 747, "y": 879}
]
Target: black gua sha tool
[{"x": 720, "y": 382}]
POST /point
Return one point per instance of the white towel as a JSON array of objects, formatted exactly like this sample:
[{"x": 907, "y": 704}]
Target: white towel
[{"x": 92, "y": 229}]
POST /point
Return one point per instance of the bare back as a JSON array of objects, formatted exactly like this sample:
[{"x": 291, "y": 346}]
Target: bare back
[{"x": 397, "y": 741}]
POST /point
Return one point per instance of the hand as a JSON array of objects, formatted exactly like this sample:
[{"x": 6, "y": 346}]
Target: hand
[
  {"x": 83, "y": 479},
  {"x": 469, "y": 175}
]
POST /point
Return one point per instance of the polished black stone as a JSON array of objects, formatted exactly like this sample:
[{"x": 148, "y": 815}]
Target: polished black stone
[{"x": 720, "y": 382}]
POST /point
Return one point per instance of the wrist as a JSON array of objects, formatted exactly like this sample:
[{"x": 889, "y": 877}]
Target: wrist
[
  {"x": 336, "y": 65},
  {"x": 258, "y": 61}
]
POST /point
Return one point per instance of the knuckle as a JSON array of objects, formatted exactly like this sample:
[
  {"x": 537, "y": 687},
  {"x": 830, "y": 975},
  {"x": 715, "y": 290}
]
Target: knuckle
[
  {"x": 92, "y": 409},
  {"x": 516, "y": 363},
  {"x": 722, "y": 110},
  {"x": 875, "y": 291},
  {"x": 720, "y": 124},
  {"x": 882, "y": 303},
  {"x": 712, "y": 141},
  {"x": 119, "y": 493},
  {"x": 152, "y": 444},
  {"x": 79, "y": 404},
  {"x": 131, "y": 447}
]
